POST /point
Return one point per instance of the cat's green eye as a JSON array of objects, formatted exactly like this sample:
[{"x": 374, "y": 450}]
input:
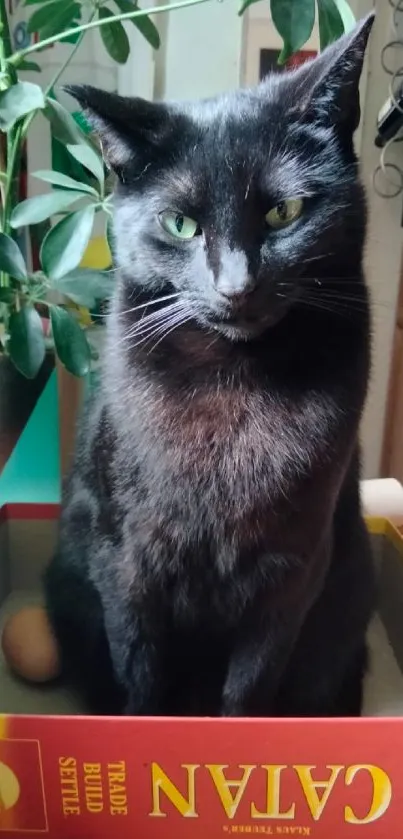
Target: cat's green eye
[
  {"x": 285, "y": 213},
  {"x": 178, "y": 225}
]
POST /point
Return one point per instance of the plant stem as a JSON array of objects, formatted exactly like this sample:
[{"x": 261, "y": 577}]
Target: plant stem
[
  {"x": 94, "y": 24},
  {"x": 13, "y": 161},
  {"x": 5, "y": 52},
  {"x": 61, "y": 70},
  {"x": 5, "y": 38}
]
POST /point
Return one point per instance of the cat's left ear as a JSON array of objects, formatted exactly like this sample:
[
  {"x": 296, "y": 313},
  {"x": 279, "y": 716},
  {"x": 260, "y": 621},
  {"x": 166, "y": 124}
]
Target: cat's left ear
[{"x": 329, "y": 86}]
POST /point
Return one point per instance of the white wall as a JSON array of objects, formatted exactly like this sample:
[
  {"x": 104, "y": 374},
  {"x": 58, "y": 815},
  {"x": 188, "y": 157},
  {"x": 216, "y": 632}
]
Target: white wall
[
  {"x": 384, "y": 245},
  {"x": 203, "y": 51},
  {"x": 136, "y": 77}
]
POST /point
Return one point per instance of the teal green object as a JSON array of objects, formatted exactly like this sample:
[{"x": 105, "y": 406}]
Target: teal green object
[{"x": 32, "y": 472}]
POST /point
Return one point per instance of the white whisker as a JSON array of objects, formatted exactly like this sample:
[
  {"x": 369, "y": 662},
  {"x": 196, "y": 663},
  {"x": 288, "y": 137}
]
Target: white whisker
[
  {"x": 175, "y": 326},
  {"x": 149, "y": 323},
  {"x": 214, "y": 341},
  {"x": 318, "y": 257},
  {"x": 173, "y": 320},
  {"x": 150, "y": 303},
  {"x": 149, "y": 320}
]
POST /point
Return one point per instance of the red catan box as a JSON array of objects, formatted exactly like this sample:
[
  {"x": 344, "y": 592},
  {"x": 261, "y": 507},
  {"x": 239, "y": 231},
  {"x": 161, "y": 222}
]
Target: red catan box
[{"x": 72, "y": 777}]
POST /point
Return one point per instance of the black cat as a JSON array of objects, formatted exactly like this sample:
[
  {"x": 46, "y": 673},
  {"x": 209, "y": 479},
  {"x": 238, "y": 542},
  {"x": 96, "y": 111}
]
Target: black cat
[{"x": 213, "y": 558}]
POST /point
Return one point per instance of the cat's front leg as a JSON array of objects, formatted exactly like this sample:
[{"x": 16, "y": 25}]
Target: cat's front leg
[
  {"x": 269, "y": 630},
  {"x": 137, "y": 661},
  {"x": 145, "y": 696},
  {"x": 257, "y": 663}
]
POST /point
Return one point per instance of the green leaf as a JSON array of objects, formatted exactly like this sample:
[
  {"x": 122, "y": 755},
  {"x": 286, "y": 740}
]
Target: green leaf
[
  {"x": 70, "y": 341},
  {"x": 11, "y": 259},
  {"x": 6, "y": 296},
  {"x": 347, "y": 14},
  {"x": 37, "y": 233},
  {"x": 29, "y": 66},
  {"x": 26, "y": 345},
  {"x": 41, "y": 207},
  {"x": 53, "y": 17},
  {"x": 64, "y": 246},
  {"x": 59, "y": 179},
  {"x": 144, "y": 24},
  {"x": 86, "y": 287},
  {"x": 114, "y": 37},
  {"x": 63, "y": 162},
  {"x": 72, "y": 39},
  {"x": 89, "y": 158},
  {"x": 245, "y": 5},
  {"x": 20, "y": 99},
  {"x": 63, "y": 125},
  {"x": 294, "y": 21},
  {"x": 331, "y": 25}
]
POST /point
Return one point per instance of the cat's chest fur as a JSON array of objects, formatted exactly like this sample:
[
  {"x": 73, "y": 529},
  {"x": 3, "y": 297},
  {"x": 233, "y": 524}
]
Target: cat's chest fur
[
  {"x": 222, "y": 440},
  {"x": 220, "y": 465},
  {"x": 215, "y": 477}
]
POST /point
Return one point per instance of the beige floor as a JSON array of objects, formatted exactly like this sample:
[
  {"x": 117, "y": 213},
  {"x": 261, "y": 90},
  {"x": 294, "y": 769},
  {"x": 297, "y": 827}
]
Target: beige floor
[
  {"x": 384, "y": 687},
  {"x": 384, "y": 684}
]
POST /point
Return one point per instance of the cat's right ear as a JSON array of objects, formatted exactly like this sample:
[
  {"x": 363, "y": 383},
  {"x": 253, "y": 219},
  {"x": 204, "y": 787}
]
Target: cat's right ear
[
  {"x": 131, "y": 130},
  {"x": 328, "y": 87}
]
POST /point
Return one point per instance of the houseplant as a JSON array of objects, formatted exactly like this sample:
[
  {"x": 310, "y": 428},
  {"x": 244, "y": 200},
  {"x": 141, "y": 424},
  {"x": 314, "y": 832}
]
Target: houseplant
[{"x": 59, "y": 285}]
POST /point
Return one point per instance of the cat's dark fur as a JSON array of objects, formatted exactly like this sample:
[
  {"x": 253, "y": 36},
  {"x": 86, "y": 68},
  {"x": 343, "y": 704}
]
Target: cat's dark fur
[{"x": 213, "y": 558}]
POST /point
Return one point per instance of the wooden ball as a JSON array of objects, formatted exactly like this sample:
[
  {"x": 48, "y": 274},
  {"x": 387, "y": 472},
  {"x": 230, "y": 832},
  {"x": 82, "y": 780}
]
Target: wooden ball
[{"x": 29, "y": 646}]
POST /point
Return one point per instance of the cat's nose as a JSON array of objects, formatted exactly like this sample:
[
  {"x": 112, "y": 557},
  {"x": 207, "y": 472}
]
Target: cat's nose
[
  {"x": 235, "y": 297},
  {"x": 235, "y": 288},
  {"x": 233, "y": 280}
]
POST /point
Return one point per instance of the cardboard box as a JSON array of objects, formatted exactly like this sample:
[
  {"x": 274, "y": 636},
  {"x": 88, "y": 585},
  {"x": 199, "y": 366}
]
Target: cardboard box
[{"x": 72, "y": 777}]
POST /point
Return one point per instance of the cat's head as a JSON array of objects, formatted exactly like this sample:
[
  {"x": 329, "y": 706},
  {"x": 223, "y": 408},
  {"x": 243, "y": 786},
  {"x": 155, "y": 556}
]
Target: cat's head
[{"x": 241, "y": 203}]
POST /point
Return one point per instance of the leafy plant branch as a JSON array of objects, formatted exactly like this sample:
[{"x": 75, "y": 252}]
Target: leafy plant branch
[
  {"x": 15, "y": 152},
  {"x": 103, "y": 21}
]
